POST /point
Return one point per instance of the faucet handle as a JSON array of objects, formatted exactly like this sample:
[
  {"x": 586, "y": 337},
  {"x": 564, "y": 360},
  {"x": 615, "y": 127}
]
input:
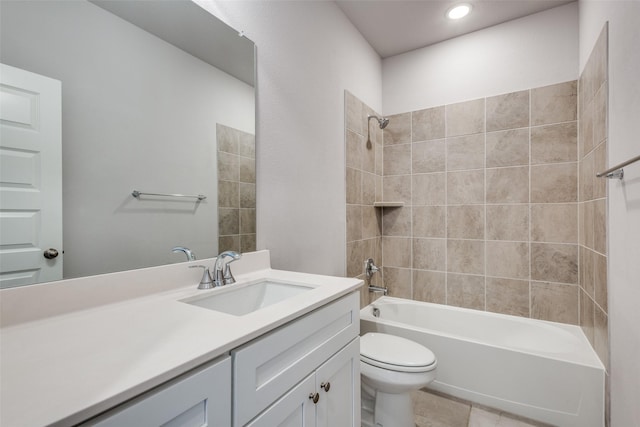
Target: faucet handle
[
  {"x": 206, "y": 282},
  {"x": 228, "y": 276}
]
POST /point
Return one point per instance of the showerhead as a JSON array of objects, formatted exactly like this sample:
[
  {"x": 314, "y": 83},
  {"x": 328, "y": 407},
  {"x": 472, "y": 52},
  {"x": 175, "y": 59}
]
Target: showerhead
[{"x": 382, "y": 121}]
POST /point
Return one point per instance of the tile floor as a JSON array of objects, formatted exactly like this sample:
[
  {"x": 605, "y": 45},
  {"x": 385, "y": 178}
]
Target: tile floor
[{"x": 434, "y": 410}]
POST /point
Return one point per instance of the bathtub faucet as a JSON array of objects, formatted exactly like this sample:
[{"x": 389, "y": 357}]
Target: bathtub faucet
[{"x": 369, "y": 270}]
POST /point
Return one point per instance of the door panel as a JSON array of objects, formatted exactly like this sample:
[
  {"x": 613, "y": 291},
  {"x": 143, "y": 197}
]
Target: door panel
[
  {"x": 30, "y": 177},
  {"x": 294, "y": 409}
]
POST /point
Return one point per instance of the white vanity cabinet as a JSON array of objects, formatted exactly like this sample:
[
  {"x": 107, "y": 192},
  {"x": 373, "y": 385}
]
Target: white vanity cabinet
[
  {"x": 305, "y": 373},
  {"x": 197, "y": 399}
]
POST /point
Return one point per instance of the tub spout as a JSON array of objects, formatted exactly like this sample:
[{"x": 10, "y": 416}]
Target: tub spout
[{"x": 384, "y": 290}]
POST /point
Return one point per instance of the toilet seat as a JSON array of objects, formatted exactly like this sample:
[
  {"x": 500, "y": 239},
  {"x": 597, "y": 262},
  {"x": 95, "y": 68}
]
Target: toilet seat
[{"x": 395, "y": 353}]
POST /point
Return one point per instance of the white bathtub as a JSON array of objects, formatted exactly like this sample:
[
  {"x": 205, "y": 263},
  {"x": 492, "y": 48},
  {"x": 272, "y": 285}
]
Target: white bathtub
[{"x": 541, "y": 370}]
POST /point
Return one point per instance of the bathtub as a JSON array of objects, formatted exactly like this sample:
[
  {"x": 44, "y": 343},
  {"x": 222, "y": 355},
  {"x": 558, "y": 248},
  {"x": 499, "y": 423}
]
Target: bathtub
[{"x": 540, "y": 370}]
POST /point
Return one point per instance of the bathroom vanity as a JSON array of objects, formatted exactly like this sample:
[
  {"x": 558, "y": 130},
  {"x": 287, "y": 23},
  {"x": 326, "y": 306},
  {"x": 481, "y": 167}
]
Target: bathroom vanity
[{"x": 168, "y": 358}]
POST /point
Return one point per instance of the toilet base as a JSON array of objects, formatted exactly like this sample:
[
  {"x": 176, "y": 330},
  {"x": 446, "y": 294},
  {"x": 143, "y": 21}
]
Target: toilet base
[{"x": 381, "y": 409}]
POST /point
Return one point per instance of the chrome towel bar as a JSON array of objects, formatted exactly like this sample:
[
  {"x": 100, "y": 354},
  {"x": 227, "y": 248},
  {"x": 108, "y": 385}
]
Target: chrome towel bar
[
  {"x": 617, "y": 171},
  {"x": 137, "y": 194}
]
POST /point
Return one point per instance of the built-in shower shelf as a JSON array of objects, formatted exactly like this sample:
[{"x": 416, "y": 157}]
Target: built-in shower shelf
[{"x": 388, "y": 204}]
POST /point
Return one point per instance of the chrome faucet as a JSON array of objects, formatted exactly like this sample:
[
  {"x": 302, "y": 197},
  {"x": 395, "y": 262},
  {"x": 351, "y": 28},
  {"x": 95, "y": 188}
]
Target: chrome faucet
[
  {"x": 220, "y": 277},
  {"x": 190, "y": 255},
  {"x": 369, "y": 270}
]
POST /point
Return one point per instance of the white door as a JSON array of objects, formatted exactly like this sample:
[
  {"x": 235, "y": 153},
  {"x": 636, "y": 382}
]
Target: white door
[
  {"x": 338, "y": 382},
  {"x": 294, "y": 409},
  {"x": 30, "y": 178}
]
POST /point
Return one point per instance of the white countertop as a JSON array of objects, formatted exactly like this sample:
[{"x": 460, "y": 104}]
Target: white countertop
[{"x": 72, "y": 366}]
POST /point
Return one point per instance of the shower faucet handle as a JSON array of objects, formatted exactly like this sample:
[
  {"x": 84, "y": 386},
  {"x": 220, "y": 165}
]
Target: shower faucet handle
[{"x": 370, "y": 268}]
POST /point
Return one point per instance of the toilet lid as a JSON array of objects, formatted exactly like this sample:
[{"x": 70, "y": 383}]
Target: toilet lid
[{"x": 395, "y": 353}]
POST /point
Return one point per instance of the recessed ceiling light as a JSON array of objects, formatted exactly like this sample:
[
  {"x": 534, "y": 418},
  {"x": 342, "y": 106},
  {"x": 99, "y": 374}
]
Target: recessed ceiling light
[{"x": 459, "y": 11}]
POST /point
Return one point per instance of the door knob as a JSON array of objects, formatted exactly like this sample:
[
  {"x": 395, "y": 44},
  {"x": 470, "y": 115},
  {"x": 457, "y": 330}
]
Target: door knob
[
  {"x": 325, "y": 386},
  {"x": 314, "y": 396},
  {"x": 50, "y": 253}
]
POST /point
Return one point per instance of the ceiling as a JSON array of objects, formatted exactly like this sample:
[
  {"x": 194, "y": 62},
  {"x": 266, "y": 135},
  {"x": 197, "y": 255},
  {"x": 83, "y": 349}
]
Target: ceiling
[{"x": 396, "y": 26}]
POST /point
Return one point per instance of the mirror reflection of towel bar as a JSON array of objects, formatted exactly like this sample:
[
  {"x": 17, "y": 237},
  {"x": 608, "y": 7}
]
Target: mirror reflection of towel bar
[{"x": 137, "y": 194}]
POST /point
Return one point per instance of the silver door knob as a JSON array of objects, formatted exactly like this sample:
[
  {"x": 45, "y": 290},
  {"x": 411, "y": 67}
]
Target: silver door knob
[
  {"x": 50, "y": 253},
  {"x": 314, "y": 397}
]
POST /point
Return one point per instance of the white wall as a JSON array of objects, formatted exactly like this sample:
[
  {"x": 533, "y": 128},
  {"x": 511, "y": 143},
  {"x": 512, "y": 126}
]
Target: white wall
[
  {"x": 624, "y": 197},
  {"x": 137, "y": 113},
  {"x": 533, "y": 51},
  {"x": 308, "y": 54}
]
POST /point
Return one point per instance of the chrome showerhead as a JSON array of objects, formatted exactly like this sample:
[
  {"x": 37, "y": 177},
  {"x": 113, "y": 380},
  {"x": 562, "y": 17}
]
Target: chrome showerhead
[{"x": 382, "y": 121}]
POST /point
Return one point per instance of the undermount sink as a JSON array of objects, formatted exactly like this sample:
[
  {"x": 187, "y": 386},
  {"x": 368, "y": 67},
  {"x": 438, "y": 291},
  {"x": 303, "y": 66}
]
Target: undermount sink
[{"x": 248, "y": 298}]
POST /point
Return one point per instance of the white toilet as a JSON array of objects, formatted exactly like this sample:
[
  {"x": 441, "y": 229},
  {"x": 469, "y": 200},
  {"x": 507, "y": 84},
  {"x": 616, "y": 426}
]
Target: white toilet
[{"x": 391, "y": 367}]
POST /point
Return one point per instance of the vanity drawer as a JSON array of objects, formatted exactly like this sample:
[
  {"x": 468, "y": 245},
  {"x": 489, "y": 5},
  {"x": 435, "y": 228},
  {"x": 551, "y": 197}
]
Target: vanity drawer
[{"x": 268, "y": 367}]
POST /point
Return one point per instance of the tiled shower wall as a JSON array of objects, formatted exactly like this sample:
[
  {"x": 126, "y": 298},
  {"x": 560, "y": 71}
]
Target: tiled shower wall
[
  {"x": 490, "y": 219},
  {"x": 592, "y": 151},
  {"x": 363, "y": 144},
  {"x": 236, "y": 189}
]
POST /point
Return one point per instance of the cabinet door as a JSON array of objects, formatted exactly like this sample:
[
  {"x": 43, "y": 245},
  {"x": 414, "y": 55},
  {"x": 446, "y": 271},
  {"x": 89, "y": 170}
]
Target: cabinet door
[
  {"x": 338, "y": 382},
  {"x": 198, "y": 399},
  {"x": 294, "y": 409}
]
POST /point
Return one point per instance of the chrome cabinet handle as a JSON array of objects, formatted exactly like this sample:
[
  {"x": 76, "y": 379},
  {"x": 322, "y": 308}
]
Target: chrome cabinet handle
[
  {"x": 51, "y": 253},
  {"x": 325, "y": 386},
  {"x": 314, "y": 396}
]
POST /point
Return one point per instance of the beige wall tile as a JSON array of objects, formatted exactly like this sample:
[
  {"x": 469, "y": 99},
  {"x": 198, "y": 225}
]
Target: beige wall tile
[
  {"x": 371, "y": 222},
  {"x": 586, "y": 315},
  {"x": 466, "y": 187},
  {"x": 398, "y": 281},
  {"x": 554, "y": 262},
  {"x": 507, "y": 148},
  {"x": 508, "y": 222},
  {"x": 247, "y": 195},
  {"x": 554, "y": 143},
  {"x": 247, "y": 221},
  {"x": 247, "y": 145},
  {"x": 396, "y": 252},
  {"x": 397, "y": 159},
  {"x": 554, "y": 104},
  {"x": 587, "y": 177},
  {"x": 428, "y": 189},
  {"x": 355, "y": 146},
  {"x": 465, "y": 256},
  {"x": 465, "y": 222},
  {"x": 508, "y": 185},
  {"x": 369, "y": 153},
  {"x": 599, "y": 55},
  {"x": 586, "y": 128},
  {"x": 465, "y": 152},
  {"x": 397, "y": 188},
  {"x": 368, "y": 188},
  {"x": 600, "y": 164},
  {"x": 600, "y": 115},
  {"x": 601, "y": 336},
  {"x": 465, "y": 118},
  {"x": 228, "y": 139},
  {"x": 508, "y": 111},
  {"x": 467, "y": 291},
  {"x": 354, "y": 222},
  {"x": 600, "y": 280},
  {"x": 428, "y": 124},
  {"x": 554, "y": 302},
  {"x": 228, "y": 194},
  {"x": 428, "y": 156},
  {"x": 587, "y": 270},
  {"x": 247, "y": 170},
  {"x": 600, "y": 226},
  {"x": 228, "y": 221},
  {"x": 229, "y": 243},
  {"x": 429, "y": 286},
  {"x": 429, "y": 254},
  {"x": 398, "y": 131},
  {"x": 228, "y": 167},
  {"x": 429, "y": 221},
  {"x": 397, "y": 222},
  {"x": 355, "y": 119},
  {"x": 355, "y": 258},
  {"x": 554, "y": 223},
  {"x": 554, "y": 183},
  {"x": 354, "y": 186},
  {"x": 508, "y": 296},
  {"x": 247, "y": 242},
  {"x": 378, "y": 166},
  {"x": 508, "y": 259}
]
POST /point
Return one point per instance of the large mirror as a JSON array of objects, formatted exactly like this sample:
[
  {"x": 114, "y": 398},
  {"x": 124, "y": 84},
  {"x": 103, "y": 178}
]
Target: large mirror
[{"x": 153, "y": 96}]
